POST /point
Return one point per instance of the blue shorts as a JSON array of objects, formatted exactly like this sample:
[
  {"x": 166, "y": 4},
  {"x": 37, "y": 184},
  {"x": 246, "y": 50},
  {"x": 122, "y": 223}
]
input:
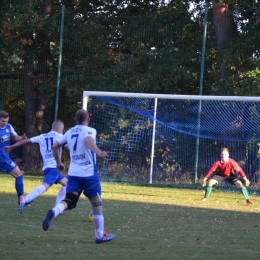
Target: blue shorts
[
  {"x": 52, "y": 176},
  {"x": 7, "y": 165},
  {"x": 90, "y": 185}
]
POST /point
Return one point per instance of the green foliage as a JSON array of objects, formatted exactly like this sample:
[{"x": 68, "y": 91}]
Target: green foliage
[
  {"x": 146, "y": 46},
  {"x": 239, "y": 55}
]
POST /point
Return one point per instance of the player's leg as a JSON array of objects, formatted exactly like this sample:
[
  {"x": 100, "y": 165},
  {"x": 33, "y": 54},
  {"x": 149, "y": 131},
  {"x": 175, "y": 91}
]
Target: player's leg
[
  {"x": 71, "y": 199},
  {"x": 18, "y": 175},
  {"x": 242, "y": 189},
  {"x": 209, "y": 186},
  {"x": 50, "y": 177},
  {"x": 8, "y": 166},
  {"x": 97, "y": 214},
  {"x": 92, "y": 190},
  {"x": 62, "y": 191},
  {"x": 36, "y": 192},
  {"x": 68, "y": 203},
  {"x": 30, "y": 197}
]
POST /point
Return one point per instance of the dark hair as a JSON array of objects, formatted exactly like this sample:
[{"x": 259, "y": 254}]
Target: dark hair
[
  {"x": 4, "y": 114},
  {"x": 81, "y": 115}
]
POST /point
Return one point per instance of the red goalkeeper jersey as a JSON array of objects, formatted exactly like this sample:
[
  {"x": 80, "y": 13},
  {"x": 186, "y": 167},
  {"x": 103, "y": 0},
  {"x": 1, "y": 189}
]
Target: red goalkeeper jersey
[{"x": 225, "y": 168}]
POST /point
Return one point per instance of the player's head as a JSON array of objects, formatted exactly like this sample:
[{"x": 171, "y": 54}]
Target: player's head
[
  {"x": 82, "y": 117},
  {"x": 224, "y": 154},
  {"x": 58, "y": 126},
  {"x": 4, "y": 118}
]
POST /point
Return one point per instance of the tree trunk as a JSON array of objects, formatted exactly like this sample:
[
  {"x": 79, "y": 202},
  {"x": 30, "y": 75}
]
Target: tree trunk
[
  {"x": 225, "y": 28},
  {"x": 35, "y": 97},
  {"x": 43, "y": 68},
  {"x": 29, "y": 152}
]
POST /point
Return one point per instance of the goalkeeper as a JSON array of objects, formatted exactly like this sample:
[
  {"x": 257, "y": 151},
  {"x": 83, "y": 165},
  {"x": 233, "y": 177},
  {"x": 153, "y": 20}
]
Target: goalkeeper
[{"x": 225, "y": 169}]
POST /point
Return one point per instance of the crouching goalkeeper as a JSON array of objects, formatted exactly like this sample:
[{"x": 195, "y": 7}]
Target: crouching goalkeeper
[{"x": 225, "y": 169}]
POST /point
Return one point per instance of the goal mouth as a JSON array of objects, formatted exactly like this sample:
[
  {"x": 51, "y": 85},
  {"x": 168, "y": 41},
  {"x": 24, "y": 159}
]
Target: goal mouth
[{"x": 172, "y": 138}]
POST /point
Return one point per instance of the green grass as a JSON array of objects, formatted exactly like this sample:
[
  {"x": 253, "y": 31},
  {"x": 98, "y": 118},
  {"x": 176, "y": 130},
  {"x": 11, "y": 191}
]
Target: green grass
[{"x": 149, "y": 223}]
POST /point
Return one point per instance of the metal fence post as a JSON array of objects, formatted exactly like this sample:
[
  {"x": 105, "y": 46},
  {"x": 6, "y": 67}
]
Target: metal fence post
[
  {"x": 200, "y": 92},
  {"x": 59, "y": 65}
]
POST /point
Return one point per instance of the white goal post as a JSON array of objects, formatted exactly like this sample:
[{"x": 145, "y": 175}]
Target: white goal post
[
  {"x": 200, "y": 98},
  {"x": 165, "y": 96}
]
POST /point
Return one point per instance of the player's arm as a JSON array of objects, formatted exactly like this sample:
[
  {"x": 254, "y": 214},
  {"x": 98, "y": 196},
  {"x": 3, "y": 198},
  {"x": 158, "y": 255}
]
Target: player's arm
[
  {"x": 240, "y": 171},
  {"x": 8, "y": 149},
  {"x": 18, "y": 138},
  {"x": 210, "y": 171},
  {"x": 56, "y": 154},
  {"x": 89, "y": 142}
]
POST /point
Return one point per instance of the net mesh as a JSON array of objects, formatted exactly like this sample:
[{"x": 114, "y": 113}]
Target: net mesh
[
  {"x": 211, "y": 119},
  {"x": 125, "y": 129}
]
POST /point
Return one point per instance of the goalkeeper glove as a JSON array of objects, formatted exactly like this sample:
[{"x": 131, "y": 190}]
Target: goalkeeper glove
[
  {"x": 204, "y": 182},
  {"x": 247, "y": 182}
]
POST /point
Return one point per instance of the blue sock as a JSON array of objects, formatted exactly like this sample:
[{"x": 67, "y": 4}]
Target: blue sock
[{"x": 19, "y": 185}]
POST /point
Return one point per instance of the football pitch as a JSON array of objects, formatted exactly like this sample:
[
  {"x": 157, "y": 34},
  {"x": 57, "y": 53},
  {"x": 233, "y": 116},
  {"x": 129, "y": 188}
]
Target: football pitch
[{"x": 149, "y": 223}]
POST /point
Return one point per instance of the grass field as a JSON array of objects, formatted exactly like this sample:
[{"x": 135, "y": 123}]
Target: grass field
[{"x": 149, "y": 223}]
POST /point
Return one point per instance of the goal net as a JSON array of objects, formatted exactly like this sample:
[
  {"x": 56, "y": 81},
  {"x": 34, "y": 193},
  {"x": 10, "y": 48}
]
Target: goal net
[{"x": 172, "y": 139}]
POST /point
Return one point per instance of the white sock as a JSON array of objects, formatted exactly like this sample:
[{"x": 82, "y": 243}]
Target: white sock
[
  {"x": 35, "y": 193},
  {"x": 99, "y": 226},
  {"x": 58, "y": 209},
  {"x": 61, "y": 195}
]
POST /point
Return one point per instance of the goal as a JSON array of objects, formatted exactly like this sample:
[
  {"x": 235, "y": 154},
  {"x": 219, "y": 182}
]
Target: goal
[{"x": 172, "y": 139}]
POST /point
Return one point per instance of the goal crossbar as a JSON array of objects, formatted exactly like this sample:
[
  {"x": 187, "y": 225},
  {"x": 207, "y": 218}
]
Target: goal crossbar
[
  {"x": 235, "y": 123},
  {"x": 170, "y": 96}
]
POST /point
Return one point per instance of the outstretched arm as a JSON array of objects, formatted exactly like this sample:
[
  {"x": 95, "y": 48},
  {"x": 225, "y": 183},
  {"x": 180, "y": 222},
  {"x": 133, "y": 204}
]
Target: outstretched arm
[
  {"x": 8, "y": 149},
  {"x": 19, "y": 138},
  {"x": 89, "y": 142}
]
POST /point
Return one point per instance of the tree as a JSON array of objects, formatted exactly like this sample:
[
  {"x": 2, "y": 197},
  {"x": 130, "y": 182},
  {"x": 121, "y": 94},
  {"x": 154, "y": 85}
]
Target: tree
[
  {"x": 225, "y": 27},
  {"x": 35, "y": 94},
  {"x": 27, "y": 25},
  {"x": 132, "y": 46},
  {"x": 237, "y": 39}
]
